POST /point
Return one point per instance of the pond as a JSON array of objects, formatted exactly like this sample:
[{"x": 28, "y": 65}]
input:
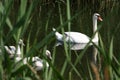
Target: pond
[{"x": 33, "y": 21}]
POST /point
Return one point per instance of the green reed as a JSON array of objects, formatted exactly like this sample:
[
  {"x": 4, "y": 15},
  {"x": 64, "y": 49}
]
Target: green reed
[{"x": 33, "y": 20}]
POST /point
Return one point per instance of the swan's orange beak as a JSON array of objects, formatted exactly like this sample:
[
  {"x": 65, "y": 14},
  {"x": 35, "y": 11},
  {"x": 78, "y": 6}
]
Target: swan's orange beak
[{"x": 99, "y": 18}]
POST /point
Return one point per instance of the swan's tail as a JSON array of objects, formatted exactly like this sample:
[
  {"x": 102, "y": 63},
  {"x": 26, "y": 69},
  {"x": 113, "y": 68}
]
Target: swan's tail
[
  {"x": 54, "y": 29},
  {"x": 58, "y": 35}
]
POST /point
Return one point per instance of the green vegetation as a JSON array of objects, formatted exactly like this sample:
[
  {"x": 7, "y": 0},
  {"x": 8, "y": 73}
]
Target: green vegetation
[{"x": 33, "y": 20}]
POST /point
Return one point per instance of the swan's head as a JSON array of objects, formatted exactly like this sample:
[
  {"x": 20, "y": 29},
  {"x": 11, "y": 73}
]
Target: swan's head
[
  {"x": 97, "y": 16},
  {"x": 48, "y": 54},
  {"x": 21, "y": 42}
]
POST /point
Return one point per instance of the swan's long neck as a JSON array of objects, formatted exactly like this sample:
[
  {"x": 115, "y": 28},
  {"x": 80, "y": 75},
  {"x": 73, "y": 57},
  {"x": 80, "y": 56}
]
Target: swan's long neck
[
  {"x": 18, "y": 52},
  {"x": 95, "y": 39}
]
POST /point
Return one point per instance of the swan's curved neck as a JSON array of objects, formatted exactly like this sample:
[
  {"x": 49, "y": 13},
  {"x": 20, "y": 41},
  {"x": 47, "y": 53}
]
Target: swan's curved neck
[
  {"x": 95, "y": 39},
  {"x": 18, "y": 52}
]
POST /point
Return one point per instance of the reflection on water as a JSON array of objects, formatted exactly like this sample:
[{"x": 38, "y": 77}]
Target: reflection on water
[{"x": 82, "y": 65}]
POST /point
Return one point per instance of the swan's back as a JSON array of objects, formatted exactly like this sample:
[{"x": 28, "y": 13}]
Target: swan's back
[{"x": 77, "y": 37}]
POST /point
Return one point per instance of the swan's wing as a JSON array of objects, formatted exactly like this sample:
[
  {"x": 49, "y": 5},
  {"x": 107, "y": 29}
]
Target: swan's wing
[
  {"x": 76, "y": 37},
  {"x": 58, "y": 36},
  {"x": 38, "y": 66},
  {"x": 36, "y": 58},
  {"x": 10, "y": 49},
  {"x": 7, "y": 49},
  {"x": 13, "y": 49},
  {"x": 37, "y": 63},
  {"x": 78, "y": 46}
]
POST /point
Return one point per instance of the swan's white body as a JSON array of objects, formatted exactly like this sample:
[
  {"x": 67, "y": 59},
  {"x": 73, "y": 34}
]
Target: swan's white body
[
  {"x": 38, "y": 64},
  {"x": 13, "y": 51},
  {"x": 10, "y": 50},
  {"x": 78, "y": 40}
]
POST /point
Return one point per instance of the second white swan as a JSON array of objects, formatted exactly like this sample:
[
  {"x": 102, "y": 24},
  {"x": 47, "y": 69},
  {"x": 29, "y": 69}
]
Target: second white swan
[{"x": 78, "y": 40}]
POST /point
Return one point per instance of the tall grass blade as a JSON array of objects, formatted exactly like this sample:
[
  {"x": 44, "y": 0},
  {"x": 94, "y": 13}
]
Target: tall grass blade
[
  {"x": 111, "y": 50},
  {"x": 68, "y": 14}
]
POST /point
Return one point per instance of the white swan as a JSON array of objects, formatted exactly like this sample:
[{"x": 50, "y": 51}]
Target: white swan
[
  {"x": 13, "y": 51},
  {"x": 38, "y": 63},
  {"x": 78, "y": 40}
]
